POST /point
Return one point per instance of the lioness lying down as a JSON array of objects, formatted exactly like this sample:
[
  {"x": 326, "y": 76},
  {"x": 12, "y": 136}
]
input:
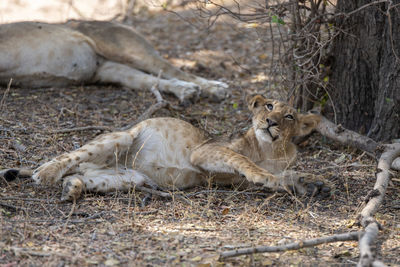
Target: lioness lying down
[
  {"x": 171, "y": 153},
  {"x": 38, "y": 54}
]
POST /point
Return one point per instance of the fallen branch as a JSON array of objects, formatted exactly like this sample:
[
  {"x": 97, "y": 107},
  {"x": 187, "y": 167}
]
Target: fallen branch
[
  {"x": 293, "y": 246},
  {"x": 370, "y": 225},
  {"x": 348, "y": 137},
  {"x": 388, "y": 159}
]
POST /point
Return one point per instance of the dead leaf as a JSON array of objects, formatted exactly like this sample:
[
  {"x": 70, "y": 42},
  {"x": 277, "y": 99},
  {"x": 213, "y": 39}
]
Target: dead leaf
[
  {"x": 225, "y": 211},
  {"x": 197, "y": 258},
  {"x": 111, "y": 262}
]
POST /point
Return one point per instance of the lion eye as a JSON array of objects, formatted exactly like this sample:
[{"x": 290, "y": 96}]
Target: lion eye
[
  {"x": 270, "y": 107},
  {"x": 289, "y": 117}
]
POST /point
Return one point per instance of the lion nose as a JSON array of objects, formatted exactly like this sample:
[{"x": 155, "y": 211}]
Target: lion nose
[{"x": 271, "y": 123}]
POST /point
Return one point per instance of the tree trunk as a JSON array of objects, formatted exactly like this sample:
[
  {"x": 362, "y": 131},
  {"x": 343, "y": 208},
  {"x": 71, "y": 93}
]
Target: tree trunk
[{"x": 365, "y": 78}]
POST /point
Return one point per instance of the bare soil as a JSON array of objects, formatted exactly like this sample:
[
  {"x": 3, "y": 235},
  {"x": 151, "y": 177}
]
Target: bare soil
[{"x": 118, "y": 229}]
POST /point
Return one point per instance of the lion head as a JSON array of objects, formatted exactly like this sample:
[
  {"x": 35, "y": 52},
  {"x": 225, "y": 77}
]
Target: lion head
[{"x": 274, "y": 120}]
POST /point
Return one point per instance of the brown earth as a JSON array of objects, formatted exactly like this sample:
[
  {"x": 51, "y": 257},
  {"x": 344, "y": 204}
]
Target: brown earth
[{"x": 117, "y": 229}]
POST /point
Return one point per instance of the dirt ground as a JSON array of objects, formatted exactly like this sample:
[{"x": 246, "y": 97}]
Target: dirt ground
[{"x": 116, "y": 229}]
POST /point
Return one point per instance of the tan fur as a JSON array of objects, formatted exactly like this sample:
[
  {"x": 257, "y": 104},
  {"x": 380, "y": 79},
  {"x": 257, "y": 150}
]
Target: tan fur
[
  {"x": 38, "y": 54},
  {"x": 171, "y": 153}
]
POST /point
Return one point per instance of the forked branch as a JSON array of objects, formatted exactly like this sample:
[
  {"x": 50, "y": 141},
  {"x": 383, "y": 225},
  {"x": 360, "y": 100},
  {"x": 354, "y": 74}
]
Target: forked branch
[{"x": 369, "y": 223}]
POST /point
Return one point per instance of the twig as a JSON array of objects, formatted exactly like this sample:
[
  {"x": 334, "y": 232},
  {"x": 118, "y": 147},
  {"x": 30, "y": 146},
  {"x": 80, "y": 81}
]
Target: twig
[
  {"x": 69, "y": 216},
  {"x": 11, "y": 207},
  {"x": 162, "y": 194},
  {"x": 367, "y": 220},
  {"x": 24, "y": 251},
  {"x": 5, "y": 94},
  {"x": 161, "y": 103},
  {"x": 153, "y": 191},
  {"x": 84, "y": 128},
  {"x": 293, "y": 246}
]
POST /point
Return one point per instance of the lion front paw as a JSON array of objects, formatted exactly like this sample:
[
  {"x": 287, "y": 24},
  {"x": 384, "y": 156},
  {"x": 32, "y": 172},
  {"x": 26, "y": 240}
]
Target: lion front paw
[
  {"x": 48, "y": 173},
  {"x": 304, "y": 183}
]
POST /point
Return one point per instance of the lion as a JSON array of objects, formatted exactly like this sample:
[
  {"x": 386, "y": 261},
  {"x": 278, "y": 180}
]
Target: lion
[
  {"x": 35, "y": 54},
  {"x": 173, "y": 154}
]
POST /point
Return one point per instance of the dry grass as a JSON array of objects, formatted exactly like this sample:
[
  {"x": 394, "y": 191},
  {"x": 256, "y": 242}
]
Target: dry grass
[{"x": 116, "y": 229}]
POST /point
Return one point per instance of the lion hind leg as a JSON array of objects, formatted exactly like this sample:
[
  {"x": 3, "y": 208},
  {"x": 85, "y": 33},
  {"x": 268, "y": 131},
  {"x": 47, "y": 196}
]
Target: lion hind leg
[
  {"x": 113, "y": 72},
  {"x": 103, "y": 150},
  {"x": 97, "y": 179}
]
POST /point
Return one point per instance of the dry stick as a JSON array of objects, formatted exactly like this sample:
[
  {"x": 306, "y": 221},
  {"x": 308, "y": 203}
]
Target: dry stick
[
  {"x": 161, "y": 103},
  {"x": 69, "y": 216},
  {"x": 24, "y": 251},
  {"x": 161, "y": 193},
  {"x": 5, "y": 94},
  {"x": 367, "y": 221},
  {"x": 347, "y": 137},
  {"x": 294, "y": 245}
]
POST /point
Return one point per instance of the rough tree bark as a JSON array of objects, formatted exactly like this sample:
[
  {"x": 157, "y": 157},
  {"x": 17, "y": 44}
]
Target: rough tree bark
[{"x": 365, "y": 76}]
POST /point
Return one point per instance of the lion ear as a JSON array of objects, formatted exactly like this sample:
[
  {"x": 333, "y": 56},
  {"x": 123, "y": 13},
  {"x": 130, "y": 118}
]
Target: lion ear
[
  {"x": 254, "y": 102},
  {"x": 307, "y": 123}
]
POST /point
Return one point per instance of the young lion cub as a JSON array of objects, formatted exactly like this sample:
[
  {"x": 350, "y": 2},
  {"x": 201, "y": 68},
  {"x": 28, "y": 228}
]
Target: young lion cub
[{"x": 171, "y": 153}]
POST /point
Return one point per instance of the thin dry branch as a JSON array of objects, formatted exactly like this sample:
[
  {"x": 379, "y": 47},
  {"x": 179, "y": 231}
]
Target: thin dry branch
[
  {"x": 294, "y": 246},
  {"x": 161, "y": 103},
  {"x": 371, "y": 226},
  {"x": 5, "y": 94},
  {"x": 24, "y": 251}
]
